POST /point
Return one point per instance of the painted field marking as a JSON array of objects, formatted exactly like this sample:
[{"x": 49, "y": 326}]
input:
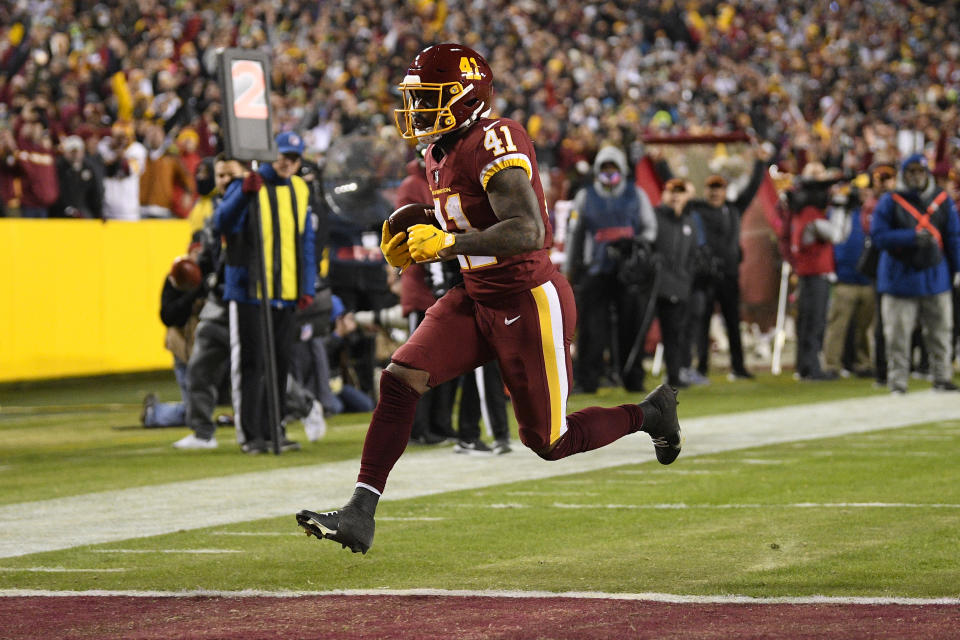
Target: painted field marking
[
  {"x": 140, "y": 452},
  {"x": 890, "y": 454},
  {"x": 60, "y": 570},
  {"x": 124, "y": 514},
  {"x": 198, "y": 551},
  {"x": 39, "y": 410},
  {"x": 912, "y": 437},
  {"x": 254, "y": 534},
  {"x": 796, "y": 505},
  {"x": 673, "y": 472},
  {"x": 683, "y": 505},
  {"x": 586, "y": 595},
  {"x": 551, "y": 493}
]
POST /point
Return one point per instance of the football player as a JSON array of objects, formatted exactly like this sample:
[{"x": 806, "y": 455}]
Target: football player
[{"x": 514, "y": 305}]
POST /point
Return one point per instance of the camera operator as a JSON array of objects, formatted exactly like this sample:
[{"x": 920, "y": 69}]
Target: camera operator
[
  {"x": 811, "y": 255},
  {"x": 852, "y": 304},
  {"x": 610, "y": 209}
]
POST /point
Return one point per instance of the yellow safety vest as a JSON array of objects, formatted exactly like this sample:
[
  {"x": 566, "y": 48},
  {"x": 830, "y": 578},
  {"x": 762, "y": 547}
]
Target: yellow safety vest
[{"x": 283, "y": 218}]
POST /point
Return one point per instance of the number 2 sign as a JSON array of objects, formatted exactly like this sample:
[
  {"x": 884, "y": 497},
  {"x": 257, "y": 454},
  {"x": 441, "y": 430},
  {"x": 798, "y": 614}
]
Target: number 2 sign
[
  {"x": 244, "y": 79},
  {"x": 249, "y": 90}
]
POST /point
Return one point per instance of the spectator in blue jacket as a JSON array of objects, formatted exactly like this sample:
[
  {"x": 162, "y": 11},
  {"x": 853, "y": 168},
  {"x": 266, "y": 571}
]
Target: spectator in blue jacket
[
  {"x": 278, "y": 200},
  {"x": 853, "y": 304},
  {"x": 917, "y": 229}
]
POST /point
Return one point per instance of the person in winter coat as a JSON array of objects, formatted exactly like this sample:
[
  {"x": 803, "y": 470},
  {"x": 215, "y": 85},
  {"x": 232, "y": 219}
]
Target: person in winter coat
[
  {"x": 917, "y": 229},
  {"x": 677, "y": 242},
  {"x": 607, "y": 212}
]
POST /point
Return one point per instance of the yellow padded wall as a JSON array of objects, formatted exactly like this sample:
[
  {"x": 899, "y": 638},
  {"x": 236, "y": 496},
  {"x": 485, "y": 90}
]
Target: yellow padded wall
[{"x": 82, "y": 297}]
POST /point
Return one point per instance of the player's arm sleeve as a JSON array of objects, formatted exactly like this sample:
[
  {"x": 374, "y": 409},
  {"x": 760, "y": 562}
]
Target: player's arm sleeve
[{"x": 504, "y": 146}]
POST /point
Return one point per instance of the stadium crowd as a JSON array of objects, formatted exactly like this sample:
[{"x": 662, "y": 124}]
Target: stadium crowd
[
  {"x": 108, "y": 109},
  {"x": 836, "y": 81}
]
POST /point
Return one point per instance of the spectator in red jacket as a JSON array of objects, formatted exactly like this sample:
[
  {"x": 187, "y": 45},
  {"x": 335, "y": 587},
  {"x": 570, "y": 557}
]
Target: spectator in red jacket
[
  {"x": 28, "y": 175},
  {"x": 811, "y": 255}
]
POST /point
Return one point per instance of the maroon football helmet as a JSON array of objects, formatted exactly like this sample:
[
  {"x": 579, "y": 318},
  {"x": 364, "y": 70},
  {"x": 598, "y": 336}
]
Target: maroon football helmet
[{"x": 447, "y": 86}]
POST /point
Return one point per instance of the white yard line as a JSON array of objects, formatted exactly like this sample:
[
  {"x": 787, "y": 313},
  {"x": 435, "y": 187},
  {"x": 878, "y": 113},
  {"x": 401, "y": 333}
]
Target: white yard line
[
  {"x": 125, "y": 514},
  {"x": 255, "y": 534},
  {"x": 189, "y": 551},
  {"x": 464, "y": 593},
  {"x": 795, "y": 505},
  {"x": 59, "y": 570}
]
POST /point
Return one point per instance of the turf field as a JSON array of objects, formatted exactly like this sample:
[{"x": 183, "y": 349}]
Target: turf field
[{"x": 816, "y": 494}]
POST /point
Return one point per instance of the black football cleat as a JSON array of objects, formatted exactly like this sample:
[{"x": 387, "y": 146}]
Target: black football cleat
[
  {"x": 352, "y": 525},
  {"x": 660, "y": 421},
  {"x": 349, "y": 526}
]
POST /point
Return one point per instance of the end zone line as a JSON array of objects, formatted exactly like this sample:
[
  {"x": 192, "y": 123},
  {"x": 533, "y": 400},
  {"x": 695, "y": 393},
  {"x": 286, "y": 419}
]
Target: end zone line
[{"x": 463, "y": 593}]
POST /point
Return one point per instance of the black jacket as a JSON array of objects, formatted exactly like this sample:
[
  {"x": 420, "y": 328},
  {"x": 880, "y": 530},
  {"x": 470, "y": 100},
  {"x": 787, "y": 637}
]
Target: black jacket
[
  {"x": 176, "y": 306},
  {"x": 81, "y": 191},
  {"x": 721, "y": 225},
  {"x": 676, "y": 242},
  {"x": 721, "y": 231}
]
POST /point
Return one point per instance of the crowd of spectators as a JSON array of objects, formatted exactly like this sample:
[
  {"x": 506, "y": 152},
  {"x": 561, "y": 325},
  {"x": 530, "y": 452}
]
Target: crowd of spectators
[{"x": 847, "y": 82}]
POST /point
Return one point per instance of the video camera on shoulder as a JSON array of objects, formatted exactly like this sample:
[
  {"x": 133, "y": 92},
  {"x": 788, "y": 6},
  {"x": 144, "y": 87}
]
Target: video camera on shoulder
[
  {"x": 636, "y": 260},
  {"x": 818, "y": 193}
]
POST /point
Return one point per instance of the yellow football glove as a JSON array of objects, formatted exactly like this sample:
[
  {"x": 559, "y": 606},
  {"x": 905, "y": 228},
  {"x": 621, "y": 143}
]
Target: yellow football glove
[
  {"x": 426, "y": 241},
  {"x": 394, "y": 248}
]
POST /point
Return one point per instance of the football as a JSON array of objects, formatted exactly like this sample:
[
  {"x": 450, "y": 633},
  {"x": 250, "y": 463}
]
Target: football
[
  {"x": 409, "y": 215},
  {"x": 185, "y": 274}
]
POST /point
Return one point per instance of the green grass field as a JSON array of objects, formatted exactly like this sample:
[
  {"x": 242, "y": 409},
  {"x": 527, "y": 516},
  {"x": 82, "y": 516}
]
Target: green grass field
[{"x": 874, "y": 514}]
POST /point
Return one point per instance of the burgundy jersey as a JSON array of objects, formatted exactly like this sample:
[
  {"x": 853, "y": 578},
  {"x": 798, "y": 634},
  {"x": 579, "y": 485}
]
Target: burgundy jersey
[{"x": 458, "y": 183}]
